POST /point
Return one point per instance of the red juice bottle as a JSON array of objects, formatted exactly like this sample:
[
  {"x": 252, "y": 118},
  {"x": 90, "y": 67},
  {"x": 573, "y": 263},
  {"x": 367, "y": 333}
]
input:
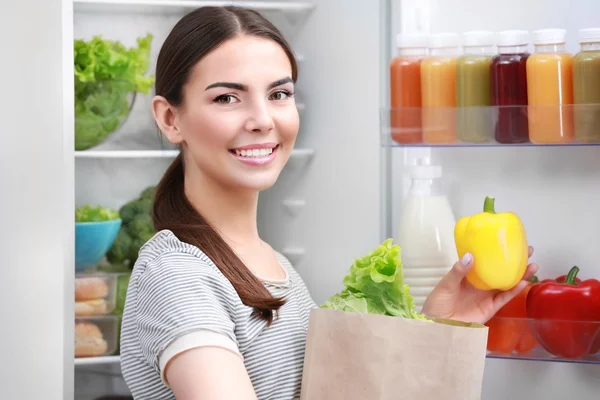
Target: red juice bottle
[{"x": 508, "y": 77}]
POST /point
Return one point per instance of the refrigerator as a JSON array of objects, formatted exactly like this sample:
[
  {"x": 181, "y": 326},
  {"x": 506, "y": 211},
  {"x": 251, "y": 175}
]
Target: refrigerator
[{"x": 339, "y": 197}]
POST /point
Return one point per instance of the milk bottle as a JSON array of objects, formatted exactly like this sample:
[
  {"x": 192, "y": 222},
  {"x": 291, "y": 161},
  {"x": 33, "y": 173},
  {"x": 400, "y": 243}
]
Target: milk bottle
[{"x": 426, "y": 231}]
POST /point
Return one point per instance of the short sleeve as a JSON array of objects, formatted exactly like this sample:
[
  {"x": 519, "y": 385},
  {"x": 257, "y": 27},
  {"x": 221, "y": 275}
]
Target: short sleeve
[{"x": 179, "y": 294}]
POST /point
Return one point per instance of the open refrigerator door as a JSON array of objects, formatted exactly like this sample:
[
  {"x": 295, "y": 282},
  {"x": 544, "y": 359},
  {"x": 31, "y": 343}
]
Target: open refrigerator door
[{"x": 527, "y": 138}]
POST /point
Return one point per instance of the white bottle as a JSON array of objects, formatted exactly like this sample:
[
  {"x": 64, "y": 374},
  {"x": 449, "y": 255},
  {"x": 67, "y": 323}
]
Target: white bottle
[{"x": 426, "y": 231}]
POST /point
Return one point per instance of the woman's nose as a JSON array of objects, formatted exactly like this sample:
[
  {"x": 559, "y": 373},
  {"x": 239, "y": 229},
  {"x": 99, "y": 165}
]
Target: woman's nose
[{"x": 260, "y": 119}]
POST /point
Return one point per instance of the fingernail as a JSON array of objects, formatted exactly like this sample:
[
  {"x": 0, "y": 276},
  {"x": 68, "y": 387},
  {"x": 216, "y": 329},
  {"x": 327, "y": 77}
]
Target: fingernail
[{"x": 466, "y": 259}]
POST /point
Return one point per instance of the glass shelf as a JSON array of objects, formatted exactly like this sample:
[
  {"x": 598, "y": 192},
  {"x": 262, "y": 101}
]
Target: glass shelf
[
  {"x": 544, "y": 340},
  {"x": 491, "y": 126},
  {"x": 165, "y": 7},
  {"x": 298, "y": 153}
]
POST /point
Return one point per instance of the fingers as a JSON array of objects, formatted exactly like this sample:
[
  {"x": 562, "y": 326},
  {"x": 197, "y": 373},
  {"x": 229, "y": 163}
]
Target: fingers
[
  {"x": 458, "y": 272},
  {"x": 530, "y": 251},
  {"x": 502, "y": 298},
  {"x": 531, "y": 270}
]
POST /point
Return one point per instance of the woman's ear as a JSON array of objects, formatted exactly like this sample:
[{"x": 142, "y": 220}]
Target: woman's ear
[{"x": 165, "y": 116}]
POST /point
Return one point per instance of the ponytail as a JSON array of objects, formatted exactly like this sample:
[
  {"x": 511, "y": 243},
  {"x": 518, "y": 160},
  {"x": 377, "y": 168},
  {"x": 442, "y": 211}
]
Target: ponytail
[{"x": 173, "y": 211}]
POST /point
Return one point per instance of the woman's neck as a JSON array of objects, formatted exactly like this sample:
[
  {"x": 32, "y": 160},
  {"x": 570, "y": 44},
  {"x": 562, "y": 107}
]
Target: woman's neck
[{"x": 232, "y": 213}]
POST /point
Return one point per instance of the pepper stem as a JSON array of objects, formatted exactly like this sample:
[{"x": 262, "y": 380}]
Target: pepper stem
[
  {"x": 570, "y": 279},
  {"x": 488, "y": 205},
  {"x": 534, "y": 279}
]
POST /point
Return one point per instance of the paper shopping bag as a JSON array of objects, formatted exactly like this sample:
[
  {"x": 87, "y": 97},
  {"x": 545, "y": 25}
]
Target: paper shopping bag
[{"x": 356, "y": 356}]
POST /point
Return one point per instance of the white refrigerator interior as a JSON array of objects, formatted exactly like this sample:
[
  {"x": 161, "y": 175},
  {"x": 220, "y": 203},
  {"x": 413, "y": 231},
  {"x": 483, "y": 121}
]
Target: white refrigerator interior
[{"x": 324, "y": 209}]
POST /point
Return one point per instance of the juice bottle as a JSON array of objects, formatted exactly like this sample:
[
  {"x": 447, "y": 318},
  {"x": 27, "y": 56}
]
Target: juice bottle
[
  {"x": 508, "y": 75},
  {"x": 550, "y": 89},
  {"x": 586, "y": 87},
  {"x": 438, "y": 89},
  {"x": 405, "y": 80},
  {"x": 474, "y": 123}
]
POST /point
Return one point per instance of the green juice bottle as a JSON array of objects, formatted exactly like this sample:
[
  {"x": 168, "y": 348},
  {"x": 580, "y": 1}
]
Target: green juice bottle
[{"x": 474, "y": 116}]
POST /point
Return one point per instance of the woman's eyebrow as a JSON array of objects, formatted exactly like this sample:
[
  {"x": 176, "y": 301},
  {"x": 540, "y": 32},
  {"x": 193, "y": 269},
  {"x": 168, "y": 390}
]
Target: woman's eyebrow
[
  {"x": 229, "y": 85},
  {"x": 280, "y": 82},
  {"x": 244, "y": 88}
]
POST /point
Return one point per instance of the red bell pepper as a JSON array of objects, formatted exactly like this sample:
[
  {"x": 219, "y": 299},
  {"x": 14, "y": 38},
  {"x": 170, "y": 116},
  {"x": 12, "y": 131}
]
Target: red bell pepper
[
  {"x": 509, "y": 330},
  {"x": 566, "y": 315}
]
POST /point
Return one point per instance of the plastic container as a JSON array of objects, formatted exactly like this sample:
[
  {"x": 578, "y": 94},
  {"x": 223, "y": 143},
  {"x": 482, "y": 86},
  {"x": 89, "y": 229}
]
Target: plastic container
[
  {"x": 96, "y": 336},
  {"x": 438, "y": 89},
  {"x": 95, "y": 294},
  {"x": 92, "y": 242},
  {"x": 550, "y": 89},
  {"x": 508, "y": 75},
  {"x": 405, "y": 90},
  {"x": 426, "y": 231},
  {"x": 586, "y": 87},
  {"x": 534, "y": 339},
  {"x": 474, "y": 123}
]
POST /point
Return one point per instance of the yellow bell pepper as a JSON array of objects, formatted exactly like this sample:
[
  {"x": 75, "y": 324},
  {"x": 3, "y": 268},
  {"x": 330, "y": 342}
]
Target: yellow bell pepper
[{"x": 498, "y": 244}]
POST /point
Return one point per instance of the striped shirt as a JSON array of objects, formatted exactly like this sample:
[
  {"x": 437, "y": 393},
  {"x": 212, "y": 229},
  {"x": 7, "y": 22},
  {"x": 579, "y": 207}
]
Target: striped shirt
[{"x": 177, "y": 296}]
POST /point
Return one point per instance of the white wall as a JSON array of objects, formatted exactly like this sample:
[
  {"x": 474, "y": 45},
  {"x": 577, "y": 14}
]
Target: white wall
[
  {"x": 554, "y": 190},
  {"x": 36, "y": 183}
]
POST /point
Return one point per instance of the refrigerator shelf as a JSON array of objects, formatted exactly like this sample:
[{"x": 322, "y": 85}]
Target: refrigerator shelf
[
  {"x": 165, "y": 7},
  {"x": 88, "y": 361},
  {"x": 491, "y": 126},
  {"x": 141, "y": 154},
  {"x": 549, "y": 340}
]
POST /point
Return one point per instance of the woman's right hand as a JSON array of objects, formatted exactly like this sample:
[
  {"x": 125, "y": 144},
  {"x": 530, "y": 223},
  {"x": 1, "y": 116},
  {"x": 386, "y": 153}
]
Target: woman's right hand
[{"x": 209, "y": 373}]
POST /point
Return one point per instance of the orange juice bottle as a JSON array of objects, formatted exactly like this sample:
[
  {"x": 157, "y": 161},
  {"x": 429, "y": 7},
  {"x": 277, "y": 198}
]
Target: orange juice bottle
[
  {"x": 405, "y": 90},
  {"x": 438, "y": 89},
  {"x": 550, "y": 89}
]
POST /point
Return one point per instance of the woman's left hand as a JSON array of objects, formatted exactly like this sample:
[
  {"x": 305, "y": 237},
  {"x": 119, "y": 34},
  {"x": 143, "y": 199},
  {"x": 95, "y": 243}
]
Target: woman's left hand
[{"x": 455, "y": 298}]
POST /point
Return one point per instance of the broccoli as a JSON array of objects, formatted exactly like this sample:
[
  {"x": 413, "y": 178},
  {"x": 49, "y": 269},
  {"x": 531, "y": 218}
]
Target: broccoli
[{"x": 137, "y": 228}]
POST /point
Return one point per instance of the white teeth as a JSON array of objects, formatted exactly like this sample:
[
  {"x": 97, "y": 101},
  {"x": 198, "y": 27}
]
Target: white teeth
[{"x": 254, "y": 152}]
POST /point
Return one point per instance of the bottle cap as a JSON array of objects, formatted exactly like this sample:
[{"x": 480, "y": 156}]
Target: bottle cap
[
  {"x": 591, "y": 35},
  {"x": 512, "y": 38},
  {"x": 548, "y": 36},
  {"x": 444, "y": 40},
  {"x": 412, "y": 41},
  {"x": 425, "y": 170},
  {"x": 478, "y": 38}
]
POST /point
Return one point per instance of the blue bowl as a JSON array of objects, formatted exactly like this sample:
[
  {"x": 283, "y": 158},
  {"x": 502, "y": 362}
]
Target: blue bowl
[{"x": 92, "y": 242}]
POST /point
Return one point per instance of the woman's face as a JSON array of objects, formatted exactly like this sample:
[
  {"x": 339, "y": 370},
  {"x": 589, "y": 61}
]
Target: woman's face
[{"x": 238, "y": 121}]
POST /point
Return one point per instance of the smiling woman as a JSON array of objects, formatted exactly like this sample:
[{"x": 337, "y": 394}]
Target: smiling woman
[{"x": 199, "y": 317}]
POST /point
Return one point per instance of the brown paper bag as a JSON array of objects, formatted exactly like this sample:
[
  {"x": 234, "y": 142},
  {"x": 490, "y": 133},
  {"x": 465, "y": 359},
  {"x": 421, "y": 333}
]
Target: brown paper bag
[{"x": 355, "y": 356}]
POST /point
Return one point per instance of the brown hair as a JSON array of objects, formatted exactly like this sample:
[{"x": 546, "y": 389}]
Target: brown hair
[{"x": 192, "y": 38}]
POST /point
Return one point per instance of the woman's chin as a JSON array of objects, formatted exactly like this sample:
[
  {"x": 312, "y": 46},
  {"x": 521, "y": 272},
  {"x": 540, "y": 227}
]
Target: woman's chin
[{"x": 257, "y": 181}]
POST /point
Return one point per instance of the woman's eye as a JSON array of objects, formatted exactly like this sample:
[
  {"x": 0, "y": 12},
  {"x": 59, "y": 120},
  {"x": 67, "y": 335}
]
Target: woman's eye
[
  {"x": 281, "y": 95},
  {"x": 225, "y": 99}
]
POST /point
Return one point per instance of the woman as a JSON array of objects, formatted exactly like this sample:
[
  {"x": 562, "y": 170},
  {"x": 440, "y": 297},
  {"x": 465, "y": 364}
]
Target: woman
[{"x": 212, "y": 311}]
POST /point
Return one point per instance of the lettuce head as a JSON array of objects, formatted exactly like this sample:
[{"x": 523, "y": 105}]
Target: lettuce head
[{"x": 375, "y": 285}]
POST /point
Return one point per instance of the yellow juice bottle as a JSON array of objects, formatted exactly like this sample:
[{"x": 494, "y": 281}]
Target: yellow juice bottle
[
  {"x": 550, "y": 89},
  {"x": 438, "y": 89}
]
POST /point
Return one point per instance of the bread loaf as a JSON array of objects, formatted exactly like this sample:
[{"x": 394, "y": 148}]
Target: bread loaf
[
  {"x": 89, "y": 341},
  {"x": 90, "y": 288},
  {"x": 91, "y": 308}
]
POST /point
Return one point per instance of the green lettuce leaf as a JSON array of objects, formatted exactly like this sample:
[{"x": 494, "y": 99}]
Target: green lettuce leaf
[
  {"x": 352, "y": 302},
  {"x": 378, "y": 280}
]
